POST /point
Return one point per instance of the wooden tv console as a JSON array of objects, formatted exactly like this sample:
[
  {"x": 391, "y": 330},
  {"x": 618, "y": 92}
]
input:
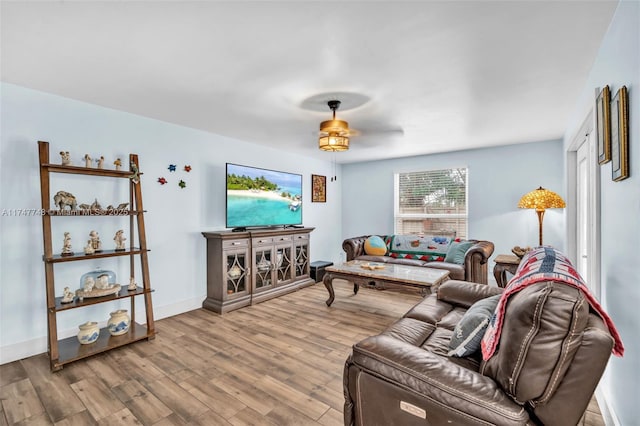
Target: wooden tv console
[{"x": 248, "y": 267}]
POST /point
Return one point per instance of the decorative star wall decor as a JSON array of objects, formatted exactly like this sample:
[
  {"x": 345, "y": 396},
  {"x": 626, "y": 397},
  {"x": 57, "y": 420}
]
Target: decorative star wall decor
[
  {"x": 172, "y": 167},
  {"x": 162, "y": 180},
  {"x": 182, "y": 184}
]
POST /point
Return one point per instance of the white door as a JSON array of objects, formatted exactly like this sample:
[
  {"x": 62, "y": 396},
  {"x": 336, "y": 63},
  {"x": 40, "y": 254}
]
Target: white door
[
  {"x": 582, "y": 212},
  {"x": 587, "y": 214}
]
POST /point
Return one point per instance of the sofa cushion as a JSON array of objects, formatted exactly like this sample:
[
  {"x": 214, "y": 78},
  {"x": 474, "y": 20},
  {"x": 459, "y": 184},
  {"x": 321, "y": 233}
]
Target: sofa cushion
[
  {"x": 456, "y": 272},
  {"x": 468, "y": 332},
  {"x": 457, "y": 251},
  {"x": 422, "y": 247}
]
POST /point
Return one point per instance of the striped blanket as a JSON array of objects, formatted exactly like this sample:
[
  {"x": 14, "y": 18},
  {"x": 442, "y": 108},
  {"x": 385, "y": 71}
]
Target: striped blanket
[{"x": 543, "y": 264}]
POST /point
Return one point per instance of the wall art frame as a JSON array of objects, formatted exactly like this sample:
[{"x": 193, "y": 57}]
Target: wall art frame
[
  {"x": 620, "y": 135},
  {"x": 318, "y": 189},
  {"x": 603, "y": 125}
]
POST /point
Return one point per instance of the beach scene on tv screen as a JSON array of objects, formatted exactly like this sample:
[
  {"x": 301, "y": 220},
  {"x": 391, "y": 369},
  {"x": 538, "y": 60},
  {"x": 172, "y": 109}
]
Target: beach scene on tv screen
[{"x": 260, "y": 197}]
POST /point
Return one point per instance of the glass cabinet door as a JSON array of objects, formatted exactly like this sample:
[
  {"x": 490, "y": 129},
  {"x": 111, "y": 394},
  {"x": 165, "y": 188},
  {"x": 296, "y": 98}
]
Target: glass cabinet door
[
  {"x": 301, "y": 246},
  {"x": 237, "y": 272},
  {"x": 263, "y": 260},
  {"x": 284, "y": 264}
]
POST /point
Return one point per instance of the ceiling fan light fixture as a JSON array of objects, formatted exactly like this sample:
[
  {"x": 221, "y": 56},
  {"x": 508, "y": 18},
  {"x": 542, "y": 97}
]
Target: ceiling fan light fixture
[
  {"x": 333, "y": 142},
  {"x": 334, "y": 134}
]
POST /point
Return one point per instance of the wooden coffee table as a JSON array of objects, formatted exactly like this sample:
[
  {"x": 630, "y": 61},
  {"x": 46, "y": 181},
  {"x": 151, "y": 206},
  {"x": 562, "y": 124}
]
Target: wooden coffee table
[{"x": 391, "y": 274}]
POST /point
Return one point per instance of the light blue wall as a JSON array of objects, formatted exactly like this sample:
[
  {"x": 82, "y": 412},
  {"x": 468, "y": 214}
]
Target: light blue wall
[
  {"x": 498, "y": 177},
  {"x": 174, "y": 222},
  {"x": 617, "y": 64}
]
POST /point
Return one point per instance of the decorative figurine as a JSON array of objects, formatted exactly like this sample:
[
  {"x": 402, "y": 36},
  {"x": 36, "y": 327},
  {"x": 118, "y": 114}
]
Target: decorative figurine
[
  {"x": 187, "y": 169},
  {"x": 132, "y": 284},
  {"x": 119, "y": 239},
  {"x": 88, "y": 249},
  {"x": 67, "y": 296},
  {"x": 66, "y": 158},
  {"x": 102, "y": 282},
  {"x": 88, "y": 284},
  {"x": 95, "y": 241},
  {"x": 162, "y": 180},
  {"x": 84, "y": 207},
  {"x": 135, "y": 177},
  {"x": 172, "y": 167},
  {"x": 63, "y": 199},
  {"x": 66, "y": 247},
  {"x": 122, "y": 206},
  {"x": 100, "y": 162},
  {"x": 118, "y": 164},
  {"x": 87, "y": 160},
  {"x": 182, "y": 184},
  {"x": 96, "y": 205}
]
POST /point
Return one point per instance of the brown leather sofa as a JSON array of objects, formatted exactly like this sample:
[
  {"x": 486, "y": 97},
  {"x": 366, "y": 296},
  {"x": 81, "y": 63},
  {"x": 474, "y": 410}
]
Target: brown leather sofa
[
  {"x": 551, "y": 355},
  {"x": 474, "y": 268}
]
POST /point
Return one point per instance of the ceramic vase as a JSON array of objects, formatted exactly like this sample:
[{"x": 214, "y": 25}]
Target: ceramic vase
[
  {"x": 119, "y": 322},
  {"x": 88, "y": 333}
]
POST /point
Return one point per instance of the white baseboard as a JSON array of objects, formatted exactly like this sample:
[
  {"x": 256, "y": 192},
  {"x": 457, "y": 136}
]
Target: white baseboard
[
  {"x": 166, "y": 311},
  {"x": 16, "y": 351}
]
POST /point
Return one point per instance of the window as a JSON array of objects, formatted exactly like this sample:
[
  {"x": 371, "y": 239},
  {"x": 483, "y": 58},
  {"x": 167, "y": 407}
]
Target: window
[{"x": 432, "y": 202}]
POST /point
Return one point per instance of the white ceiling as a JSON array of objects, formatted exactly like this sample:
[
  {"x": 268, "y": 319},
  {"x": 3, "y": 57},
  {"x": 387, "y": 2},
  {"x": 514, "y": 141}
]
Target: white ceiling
[{"x": 451, "y": 75}]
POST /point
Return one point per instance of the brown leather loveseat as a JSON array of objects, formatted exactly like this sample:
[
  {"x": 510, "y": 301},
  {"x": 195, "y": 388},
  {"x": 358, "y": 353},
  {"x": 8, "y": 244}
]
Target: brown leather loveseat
[
  {"x": 551, "y": 354},
  {"x": 473, "y": 269}
]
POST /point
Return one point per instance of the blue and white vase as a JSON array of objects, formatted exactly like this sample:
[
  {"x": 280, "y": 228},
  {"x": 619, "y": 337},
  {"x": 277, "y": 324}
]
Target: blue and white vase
[
  {"x": 88, "y": 333},
  {"x": 119, "y": 322}
]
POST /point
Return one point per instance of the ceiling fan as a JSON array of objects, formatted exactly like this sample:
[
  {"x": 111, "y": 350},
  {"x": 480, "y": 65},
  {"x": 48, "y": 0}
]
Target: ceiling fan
[{"x": 335, "y": 134}]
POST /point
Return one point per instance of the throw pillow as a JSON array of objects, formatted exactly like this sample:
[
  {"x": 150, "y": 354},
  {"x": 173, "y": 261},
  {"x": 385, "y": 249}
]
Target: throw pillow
[
  {"x": 457, "y": 251},
  {"x": 468, "y": 333},
  {"x": 375, "y": 246}
]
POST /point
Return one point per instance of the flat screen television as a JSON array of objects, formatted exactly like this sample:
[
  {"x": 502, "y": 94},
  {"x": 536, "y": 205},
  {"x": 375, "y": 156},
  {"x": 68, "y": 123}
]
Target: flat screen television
[{"x": 260, "y": 197}]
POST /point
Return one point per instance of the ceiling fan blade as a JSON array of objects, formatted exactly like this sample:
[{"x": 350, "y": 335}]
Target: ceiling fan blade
[{"x": 398, "y": 131}]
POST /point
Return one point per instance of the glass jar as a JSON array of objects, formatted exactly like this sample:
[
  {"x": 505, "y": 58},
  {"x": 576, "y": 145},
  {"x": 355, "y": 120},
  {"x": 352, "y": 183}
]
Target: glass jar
[{"x": 98, "y": 278}]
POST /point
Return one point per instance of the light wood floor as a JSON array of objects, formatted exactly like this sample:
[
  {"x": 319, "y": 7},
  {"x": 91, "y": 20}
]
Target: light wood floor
[{"x": 276, "y": 363}]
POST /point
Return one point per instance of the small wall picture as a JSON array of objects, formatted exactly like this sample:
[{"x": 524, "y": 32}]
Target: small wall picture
[
  {"x": 620, "y": 135},
  {"x": 318, "y": 189},
  {"x": 603, "y": 123}
]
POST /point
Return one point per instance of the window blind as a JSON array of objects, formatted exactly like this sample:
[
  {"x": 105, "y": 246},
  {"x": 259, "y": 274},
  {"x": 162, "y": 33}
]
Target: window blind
[{"x": 431, "y": 201}]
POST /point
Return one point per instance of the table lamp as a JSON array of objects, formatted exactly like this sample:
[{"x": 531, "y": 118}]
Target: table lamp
[{"x": 541, "y": 199}]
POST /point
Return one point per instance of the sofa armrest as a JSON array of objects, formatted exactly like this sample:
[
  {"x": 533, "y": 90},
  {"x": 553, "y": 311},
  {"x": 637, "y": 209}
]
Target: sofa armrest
[
  {"x": 475, "y": 262},
  {"x": 354, "y": 247},
  {"x": 446, "y": 391},
  {"x": 464, "y": 293}
]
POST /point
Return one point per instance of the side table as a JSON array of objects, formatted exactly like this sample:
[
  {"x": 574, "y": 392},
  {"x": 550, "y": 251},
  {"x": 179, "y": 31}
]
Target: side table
[
  {"x": 505, "y": 263},
  {"x": 317, "y": 269}
]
